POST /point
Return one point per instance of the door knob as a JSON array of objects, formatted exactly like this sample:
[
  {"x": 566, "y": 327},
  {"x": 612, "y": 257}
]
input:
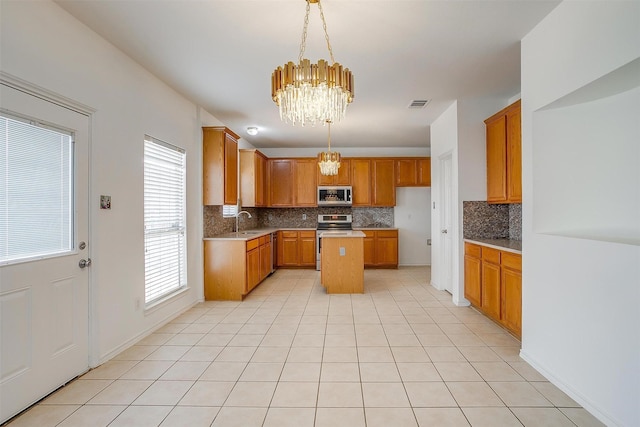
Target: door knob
[
  {"x": 444, "y": 231},
  {"x": 84, "y": 263}
]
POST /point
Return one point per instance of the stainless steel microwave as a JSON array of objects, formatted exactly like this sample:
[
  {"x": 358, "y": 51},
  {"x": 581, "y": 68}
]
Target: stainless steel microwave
[{"x": 334, "y": 196}]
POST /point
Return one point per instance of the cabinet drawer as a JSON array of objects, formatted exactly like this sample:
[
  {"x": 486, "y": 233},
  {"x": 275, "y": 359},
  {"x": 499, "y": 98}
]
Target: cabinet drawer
[
  {"x": 472, "y": 250},
  {"x": 289, "y": 234},
  {"x": 265, "y": 239},
  {"x": 491, "y": 255},
  {"x": 512, "y": 261},
  {"x": 308, "y": 234},
  {"x": 387, "y": 233},
  {"x": 252, "y": 244},
  {"x": 369, "y": 233}
]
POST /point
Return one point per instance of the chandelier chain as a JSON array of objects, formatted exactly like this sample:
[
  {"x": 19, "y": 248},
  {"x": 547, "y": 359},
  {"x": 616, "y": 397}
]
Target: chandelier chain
[
  {"x": 312, "y": 93},
  {"x": 303, "y": 43},
  {"x": 326, "y": 34}
]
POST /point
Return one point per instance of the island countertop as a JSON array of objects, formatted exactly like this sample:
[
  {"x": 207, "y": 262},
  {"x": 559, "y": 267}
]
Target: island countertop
[{"x": 341, "y": 233}]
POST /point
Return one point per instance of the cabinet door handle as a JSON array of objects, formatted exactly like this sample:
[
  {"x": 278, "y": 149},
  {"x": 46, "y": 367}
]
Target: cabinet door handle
[{"x": 444, "y": 231}]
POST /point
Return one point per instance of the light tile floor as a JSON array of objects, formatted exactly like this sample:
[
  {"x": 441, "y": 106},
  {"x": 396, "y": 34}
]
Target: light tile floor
[{"x": 401, "y": 354}]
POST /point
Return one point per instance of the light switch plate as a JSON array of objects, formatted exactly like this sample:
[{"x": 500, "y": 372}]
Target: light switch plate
[
  {"x": 105, "y": 202},
  {"x": 343, "y": 252}
]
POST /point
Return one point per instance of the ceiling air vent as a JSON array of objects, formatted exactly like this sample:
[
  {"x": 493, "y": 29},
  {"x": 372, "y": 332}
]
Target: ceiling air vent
[{"x": 419, "y": 103}]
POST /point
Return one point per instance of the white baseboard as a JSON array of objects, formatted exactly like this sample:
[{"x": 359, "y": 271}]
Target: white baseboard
[
  {"x": 119, "y": 349},
  {"x": 587, "y": 404}
]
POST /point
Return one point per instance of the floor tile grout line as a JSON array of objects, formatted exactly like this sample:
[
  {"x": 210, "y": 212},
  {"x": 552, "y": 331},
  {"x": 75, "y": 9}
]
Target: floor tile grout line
[{"x": 401, "y": 298}]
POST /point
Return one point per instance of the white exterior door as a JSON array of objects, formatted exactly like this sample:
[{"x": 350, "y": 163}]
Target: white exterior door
[
  {"x": 445, "y": 221},
  {"x": 44, "y": 301}
]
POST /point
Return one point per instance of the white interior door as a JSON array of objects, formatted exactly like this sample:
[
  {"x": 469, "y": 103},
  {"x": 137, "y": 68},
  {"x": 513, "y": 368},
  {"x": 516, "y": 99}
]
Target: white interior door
[
  {"x": 446, "y": 221},
  {"x": 44, "y": 299}
]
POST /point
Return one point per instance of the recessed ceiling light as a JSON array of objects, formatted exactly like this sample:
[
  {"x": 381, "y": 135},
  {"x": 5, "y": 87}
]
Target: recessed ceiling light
[{"x": 252, "y": 130}]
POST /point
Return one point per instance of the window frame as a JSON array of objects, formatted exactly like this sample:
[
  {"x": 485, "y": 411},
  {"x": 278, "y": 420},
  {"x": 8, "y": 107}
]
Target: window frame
[
  {"x": 153, "y": 231},
  {"x": 71, "y": 197}
]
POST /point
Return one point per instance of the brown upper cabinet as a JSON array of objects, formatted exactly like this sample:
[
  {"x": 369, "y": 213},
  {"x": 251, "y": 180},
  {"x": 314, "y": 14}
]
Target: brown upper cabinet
[
  {"x": 292, "y": 182},
  {"x": 504, "y": 156},
  {"x": 413, "y": 172},
  {"x": 343, "y": 177},
  {"x": 361, "y": 182},
  {"x": 220, "y": 166},
  {"x": 384, "y": 182},
  {"x": 305, "y": 172},
  {"x": 253, "y": 178},
  {"x": 280, "y": 182}
]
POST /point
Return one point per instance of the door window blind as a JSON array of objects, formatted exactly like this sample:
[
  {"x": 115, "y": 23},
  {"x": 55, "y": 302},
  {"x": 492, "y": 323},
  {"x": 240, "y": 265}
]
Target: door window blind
[
  {"x": 164, "y": 219},
  {"x": 36, "y": 190}
]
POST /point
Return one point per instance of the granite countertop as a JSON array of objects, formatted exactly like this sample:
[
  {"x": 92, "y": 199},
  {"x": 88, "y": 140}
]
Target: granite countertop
[
  {"x": 342, "y": 233},
  {"x": 297, "y": 228},
  {"x": 374, "y": 227},
  {"x": 243, "y": 234},
  {"x": 253, "y": 233},
  {"x": 507, "y": 245}
]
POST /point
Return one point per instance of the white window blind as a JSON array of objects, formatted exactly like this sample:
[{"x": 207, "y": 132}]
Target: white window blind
[
  {"x": 36, "y": 190},
  {"x": 229, "y": 211},
  {"x": 164, "y": 219}
]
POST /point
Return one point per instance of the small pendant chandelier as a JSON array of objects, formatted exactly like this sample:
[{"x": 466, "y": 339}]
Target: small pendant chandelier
[
  {"x": 309, "y": 93},
  {"x": 329, "y": 161}
]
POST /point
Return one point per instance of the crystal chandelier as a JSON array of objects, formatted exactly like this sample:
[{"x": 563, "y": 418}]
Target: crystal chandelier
[
  {"x": 329, "y": 161},
  {"x": 309, "y": 93}
]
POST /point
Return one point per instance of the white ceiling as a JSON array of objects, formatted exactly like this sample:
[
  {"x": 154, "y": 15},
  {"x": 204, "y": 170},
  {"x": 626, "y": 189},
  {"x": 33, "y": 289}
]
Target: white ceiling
[{"x": 221, "y": 53}]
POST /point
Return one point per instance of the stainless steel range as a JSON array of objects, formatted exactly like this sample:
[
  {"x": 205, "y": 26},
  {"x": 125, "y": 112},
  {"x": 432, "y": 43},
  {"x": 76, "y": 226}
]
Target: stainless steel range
[{"x": 330, "y": 222}]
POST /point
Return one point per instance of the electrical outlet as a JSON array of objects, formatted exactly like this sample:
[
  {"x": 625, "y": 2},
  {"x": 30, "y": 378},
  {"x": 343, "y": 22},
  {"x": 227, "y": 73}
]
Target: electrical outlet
[
  {"x": 270, "y": 217},
  {"x": 137, "y": 303},
  {"x": 304, "y": 217},
  {"x": 343, "y": 252}
]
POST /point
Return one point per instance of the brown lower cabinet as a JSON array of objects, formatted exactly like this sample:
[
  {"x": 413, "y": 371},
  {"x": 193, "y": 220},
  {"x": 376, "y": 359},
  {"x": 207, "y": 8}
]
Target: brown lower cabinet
[
  {"x": 232, "y": 268},
  {"x": 380, "y": 248},
  {"x": 493, "y": 284},
  {"x": 296, "y": 248}
]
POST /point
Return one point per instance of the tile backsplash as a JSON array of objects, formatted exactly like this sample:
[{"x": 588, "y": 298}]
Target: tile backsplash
[
  {"x": 515, "y": 221},
  {"x": 482, "y": 220},
  {"x": 372, "y": 217},
  {"x": 214, "y": 223}
]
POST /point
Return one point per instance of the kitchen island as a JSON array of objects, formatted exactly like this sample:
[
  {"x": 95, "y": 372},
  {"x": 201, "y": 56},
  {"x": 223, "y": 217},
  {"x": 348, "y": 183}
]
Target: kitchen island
[{"x": 342, "y": 261}]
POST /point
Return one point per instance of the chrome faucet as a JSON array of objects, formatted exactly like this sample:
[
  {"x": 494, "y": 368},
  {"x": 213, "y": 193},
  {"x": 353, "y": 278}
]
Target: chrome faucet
[{"x": 238, "y": 216}]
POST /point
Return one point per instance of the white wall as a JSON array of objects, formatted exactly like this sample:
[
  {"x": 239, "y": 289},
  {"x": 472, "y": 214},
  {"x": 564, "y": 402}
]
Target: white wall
[
  {"x": 44, "y": 45},
  {"x": 412, "y": 217},
  {"x": 580, "y": 296},
  {"x": 444, "y": 142},
  {"x": 459, "y": 132}
]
